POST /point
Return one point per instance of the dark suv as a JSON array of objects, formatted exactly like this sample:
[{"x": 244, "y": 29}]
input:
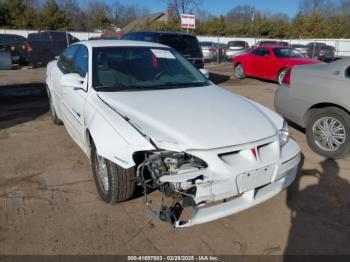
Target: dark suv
[
  {"x": 320, "y": 51},
  {"x": 46, "y": 45},
  {"x": 185, "y": 44},
  {"x": 18, "y": 46}
]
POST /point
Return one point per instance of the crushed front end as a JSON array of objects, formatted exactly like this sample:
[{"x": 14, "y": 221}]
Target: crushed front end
[{"x": 199, "y": 186}]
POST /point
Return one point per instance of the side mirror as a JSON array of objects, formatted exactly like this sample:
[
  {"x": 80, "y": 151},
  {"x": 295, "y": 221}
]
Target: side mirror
[
  {"x": 73, "y": 80},
  {"x": 267, "y": 56},
  {"x": 204, "y": 72}
]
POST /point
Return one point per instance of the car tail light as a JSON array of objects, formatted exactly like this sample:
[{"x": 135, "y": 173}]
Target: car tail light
[
  {"x": 212, "y": 49},
  {"x": 286, "y": 78},
  {"x": 29, "y": 47},
  {"x": 322, "y": 52}
]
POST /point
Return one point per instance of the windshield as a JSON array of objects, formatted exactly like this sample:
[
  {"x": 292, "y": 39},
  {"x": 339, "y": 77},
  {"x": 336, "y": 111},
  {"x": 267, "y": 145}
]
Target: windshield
[
  {"x": 142, "y": 68},
  {"x": 287, "y": 53}
]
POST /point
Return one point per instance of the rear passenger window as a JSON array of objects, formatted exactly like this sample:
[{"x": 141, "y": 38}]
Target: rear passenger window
[
  {"x": 58, "y": 36},
  {"x": 44, "y": 36}
]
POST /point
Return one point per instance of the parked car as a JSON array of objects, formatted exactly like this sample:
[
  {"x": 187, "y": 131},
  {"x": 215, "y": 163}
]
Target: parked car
[
  {"x": 5, "y": 58},
  {"x": 271, "y": 43},
  {"x": 209, "y": 50},
  {"x": 46, "y": 45},
  {"x": 321, "y": 51},
  {"x": 18, "y": 46},
  {"x": 235, "y": 48},
  {"x": 303, "y": 49},
  {"x": 111, "y": 35},
  {"x": 270, "y": 63},
  {"x": 186, "y": 44},
  {"x": 316, "y": 97},
  {"x": 145, "y": 116}
]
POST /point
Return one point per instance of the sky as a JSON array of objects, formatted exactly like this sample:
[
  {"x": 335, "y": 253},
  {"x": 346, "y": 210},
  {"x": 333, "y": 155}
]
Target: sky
[{"x": 217, "y": 7}]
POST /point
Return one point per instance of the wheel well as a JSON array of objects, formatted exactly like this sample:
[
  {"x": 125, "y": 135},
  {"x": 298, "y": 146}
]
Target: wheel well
[
  {"x": 279, "y": 71},
  {"x": 323, "y": 105},
  {"x": 89, "y": 140}
]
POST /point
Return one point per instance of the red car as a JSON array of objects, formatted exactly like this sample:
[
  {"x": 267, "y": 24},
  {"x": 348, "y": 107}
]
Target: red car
[{"x": 269, "y": 62}]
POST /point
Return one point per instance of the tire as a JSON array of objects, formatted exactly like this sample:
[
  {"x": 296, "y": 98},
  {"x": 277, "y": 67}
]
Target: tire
[
  {"x": 239, "y": 71},
  {"x": 120, "y": 184},
  {"x": 55, "y": 119},
  {"x": 281, "y": 75},
  {"x": 328, "y": 132}
]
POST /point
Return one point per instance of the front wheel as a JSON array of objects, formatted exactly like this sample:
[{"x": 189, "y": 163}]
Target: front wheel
[
  {"x": 239, "y": 71},
  {"x": 327, "y": 132},
  {"x": 114, "y": 184}
]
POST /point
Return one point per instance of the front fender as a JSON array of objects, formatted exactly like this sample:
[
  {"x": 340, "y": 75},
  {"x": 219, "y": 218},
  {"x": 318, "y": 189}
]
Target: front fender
[{"x": 114, "y": 138}]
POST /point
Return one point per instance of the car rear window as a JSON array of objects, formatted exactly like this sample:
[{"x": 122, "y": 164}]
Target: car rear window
[
  {"x": 206, "y": 44},
  {"x": 298, "y": 46},
  {"x": 185, "y": 44},
  {"x": 236, "y": 44}
]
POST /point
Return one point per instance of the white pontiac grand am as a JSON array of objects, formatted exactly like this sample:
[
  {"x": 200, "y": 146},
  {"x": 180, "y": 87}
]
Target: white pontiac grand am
[{"x": 146, "y": 117}]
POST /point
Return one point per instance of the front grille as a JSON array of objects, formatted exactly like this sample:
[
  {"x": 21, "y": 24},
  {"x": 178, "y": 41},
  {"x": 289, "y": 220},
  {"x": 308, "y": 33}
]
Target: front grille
[{"x": 266, "y": 154}]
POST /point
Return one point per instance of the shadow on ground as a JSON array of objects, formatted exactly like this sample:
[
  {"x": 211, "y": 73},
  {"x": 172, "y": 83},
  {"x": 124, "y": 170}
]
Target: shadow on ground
[
  {"x": 320, "y": 212},
  {"x": 218, "y": 78},
  {"x": 22, "y": 103}
]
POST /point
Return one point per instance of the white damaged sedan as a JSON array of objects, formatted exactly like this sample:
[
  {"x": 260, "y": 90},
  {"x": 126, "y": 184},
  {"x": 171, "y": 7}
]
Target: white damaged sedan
[{"x": 146, "y": 117}]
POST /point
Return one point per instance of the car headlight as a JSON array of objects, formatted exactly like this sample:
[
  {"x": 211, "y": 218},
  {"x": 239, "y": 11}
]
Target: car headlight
[{"x": 284, "y": 134}]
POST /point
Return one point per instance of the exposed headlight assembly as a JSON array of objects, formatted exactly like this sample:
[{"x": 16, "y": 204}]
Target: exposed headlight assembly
[{"x": 284, "y": 134}]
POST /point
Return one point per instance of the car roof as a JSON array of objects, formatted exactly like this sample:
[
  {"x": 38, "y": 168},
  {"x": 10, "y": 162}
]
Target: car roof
[
  {"x": 116, "y": 43},
  {"x": 273, "y": 46}
]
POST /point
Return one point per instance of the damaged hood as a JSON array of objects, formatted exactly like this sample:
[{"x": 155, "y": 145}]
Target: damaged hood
[{"x": 194, "y": 118}]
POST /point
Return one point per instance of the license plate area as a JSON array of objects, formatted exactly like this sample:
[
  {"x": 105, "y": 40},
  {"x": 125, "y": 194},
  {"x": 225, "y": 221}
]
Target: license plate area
[{"x": 255, "y": 178}]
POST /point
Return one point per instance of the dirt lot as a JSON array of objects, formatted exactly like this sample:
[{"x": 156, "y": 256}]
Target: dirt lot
[{"x": 49, "y": 205}]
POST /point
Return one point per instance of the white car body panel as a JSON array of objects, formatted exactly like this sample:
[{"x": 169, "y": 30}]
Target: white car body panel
[
  {"x": 187, "y": 118},
  {"x": 210, "y": 123}
]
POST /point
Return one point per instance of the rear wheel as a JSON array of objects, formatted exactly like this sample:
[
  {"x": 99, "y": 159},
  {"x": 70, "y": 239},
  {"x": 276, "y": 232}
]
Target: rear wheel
[
  {"x": 281, "y": 75},
  {"x": 328, "y": 131},
  {"x": 239, "y": 71},
  {"x": 114, "y": 184}
]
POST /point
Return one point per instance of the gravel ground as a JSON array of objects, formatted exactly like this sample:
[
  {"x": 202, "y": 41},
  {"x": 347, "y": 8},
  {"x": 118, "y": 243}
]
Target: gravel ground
[{"x": 49, "y": 205}]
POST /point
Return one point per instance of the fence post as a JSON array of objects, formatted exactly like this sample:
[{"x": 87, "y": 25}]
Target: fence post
[{"x": 218, "y": 51}]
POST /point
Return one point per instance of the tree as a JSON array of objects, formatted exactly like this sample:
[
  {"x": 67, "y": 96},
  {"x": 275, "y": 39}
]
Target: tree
[
  {"x": 77, "y": 18},
  {"x": 325, "y": 7},
  {"x": 178, "y": 7},
  {"x": 52, "y": 17},
  {"x": 241, "y": 14},
  {"x": 124, "y": 14},
  {"x": 100, "y": 16},
  {"x": 18, "y": 14}
]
